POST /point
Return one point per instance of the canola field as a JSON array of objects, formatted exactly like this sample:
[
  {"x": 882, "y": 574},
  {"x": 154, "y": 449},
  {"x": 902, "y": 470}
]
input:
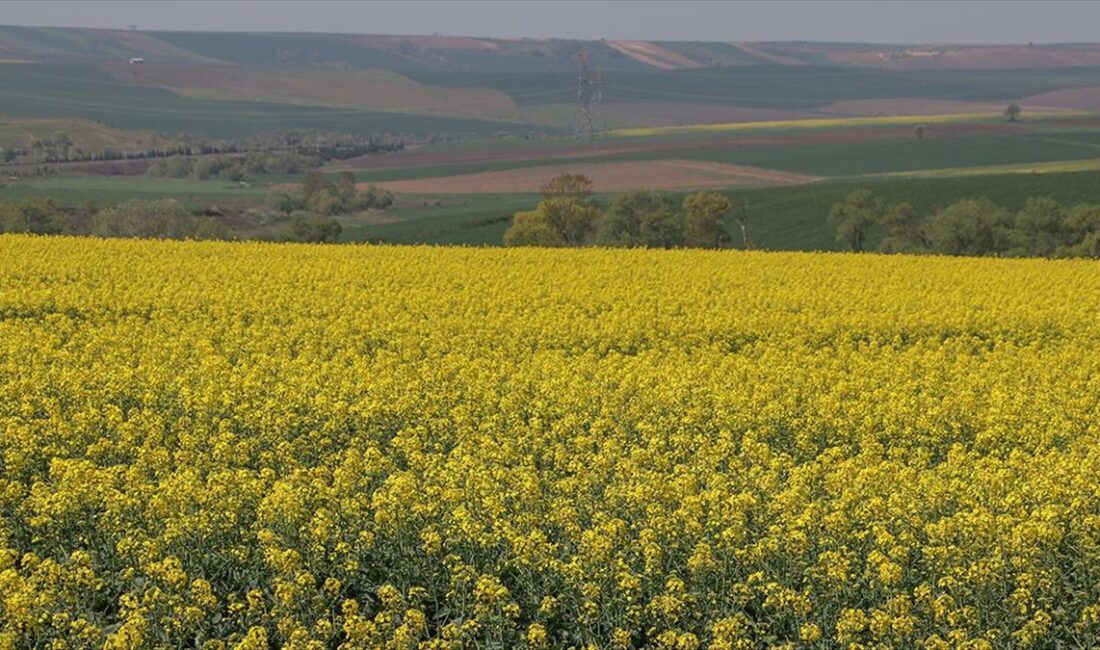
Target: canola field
[
  {"x": 225, "y": 445},
  {"x": 834, "y": 123}
]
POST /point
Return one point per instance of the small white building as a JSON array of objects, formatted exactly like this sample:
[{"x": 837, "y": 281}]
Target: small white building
[{"x": 137, "y": 59}]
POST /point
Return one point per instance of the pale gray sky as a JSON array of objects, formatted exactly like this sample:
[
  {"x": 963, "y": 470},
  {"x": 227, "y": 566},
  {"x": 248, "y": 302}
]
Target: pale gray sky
[{"x": 883, "y": 22}]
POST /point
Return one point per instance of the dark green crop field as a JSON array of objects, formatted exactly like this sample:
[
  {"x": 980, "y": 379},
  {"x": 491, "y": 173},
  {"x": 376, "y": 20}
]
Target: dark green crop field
[
  {"x": 774, "y": 86},
  {"x": 86, "y": 91}
]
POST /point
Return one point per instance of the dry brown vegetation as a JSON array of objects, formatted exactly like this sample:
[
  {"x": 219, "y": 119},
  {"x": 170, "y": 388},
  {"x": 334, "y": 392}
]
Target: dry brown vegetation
[{"x": 654, "y": 55}]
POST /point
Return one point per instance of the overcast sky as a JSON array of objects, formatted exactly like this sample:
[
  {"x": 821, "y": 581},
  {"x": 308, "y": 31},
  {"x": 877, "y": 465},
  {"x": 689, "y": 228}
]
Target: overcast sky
[{"x": 882, "y": 22}]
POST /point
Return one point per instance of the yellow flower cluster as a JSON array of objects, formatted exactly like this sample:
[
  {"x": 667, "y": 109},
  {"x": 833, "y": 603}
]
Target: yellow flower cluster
[{"x": 221, "y": 445}]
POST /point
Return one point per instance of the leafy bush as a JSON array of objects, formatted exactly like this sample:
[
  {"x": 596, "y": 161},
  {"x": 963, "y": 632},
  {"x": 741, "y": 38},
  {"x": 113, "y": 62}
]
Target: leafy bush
[{"x": 315, "y": 229}]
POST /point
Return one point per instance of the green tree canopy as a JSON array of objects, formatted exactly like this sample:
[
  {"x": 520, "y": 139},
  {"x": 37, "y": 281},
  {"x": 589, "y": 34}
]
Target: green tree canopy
[
  {"x": 316, "y": 230},
  {"x": 532, "y": 228},
  {"x": 969, "y": 227},
  {"x": 1040, "y": 227},
  {"x": 572, "y": 186},
  {"x": 641, "y": 219},
  {"x": 705, "y": 219},
  {"x": 855, "y": 216}
]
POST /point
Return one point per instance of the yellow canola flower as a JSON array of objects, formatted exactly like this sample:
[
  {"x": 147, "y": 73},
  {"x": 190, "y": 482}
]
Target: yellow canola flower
[
  {"x": 832, "y": 123},
  {"x": 257, "y": 445}
]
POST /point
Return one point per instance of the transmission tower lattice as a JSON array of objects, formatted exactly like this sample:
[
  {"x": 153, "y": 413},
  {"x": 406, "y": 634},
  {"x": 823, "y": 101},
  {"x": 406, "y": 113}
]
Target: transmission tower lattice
[{"x": 589, "y": 118}]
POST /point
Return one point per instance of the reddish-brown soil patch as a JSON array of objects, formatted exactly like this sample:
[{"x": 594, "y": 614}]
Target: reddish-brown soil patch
[
  {"x": 1087, "y": 99},
  {"x": 606, "y": 177}
]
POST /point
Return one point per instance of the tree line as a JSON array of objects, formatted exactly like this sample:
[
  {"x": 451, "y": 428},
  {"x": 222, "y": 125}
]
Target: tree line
[
  {"x": 233, "y": 168},
  {"x": 160, "y": 219},
  {"x": 320, "y": 195},
  {"x": 156, "y": 219},
  {"x": 308, "y": 212},
  {"x": 568, "y": 215},
  {"x": 60, "y": 147},
  {"x": 1043, "y": 227}
]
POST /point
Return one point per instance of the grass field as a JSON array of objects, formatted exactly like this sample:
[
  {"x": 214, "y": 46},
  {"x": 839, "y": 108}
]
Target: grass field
[{"x": 74, "y": 190}]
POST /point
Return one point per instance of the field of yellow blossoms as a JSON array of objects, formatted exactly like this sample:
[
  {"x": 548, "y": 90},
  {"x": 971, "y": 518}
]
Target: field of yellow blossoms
[{"x": 225, "y": 445}]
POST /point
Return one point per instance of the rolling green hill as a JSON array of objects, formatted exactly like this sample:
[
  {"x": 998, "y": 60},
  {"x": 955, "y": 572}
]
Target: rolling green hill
[
  {"x": 502, "y": 104},
  {"x": 84, "y": 90}
]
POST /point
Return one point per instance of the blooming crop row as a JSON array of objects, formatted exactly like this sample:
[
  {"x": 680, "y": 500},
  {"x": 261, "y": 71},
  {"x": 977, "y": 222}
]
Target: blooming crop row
[{"x": 225, "y": 445}]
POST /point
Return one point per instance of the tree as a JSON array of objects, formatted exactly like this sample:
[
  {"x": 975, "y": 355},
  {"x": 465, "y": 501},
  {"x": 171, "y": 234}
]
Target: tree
[
  {"x": 573, "y": 186},
  {"x": 640, "y": 219},
  {"x": 35, "y": 144},
  {"x": 968, "y": 227},
  {"x": 314, "y": 182},
  {"x": 345, "y": 186},
  {"x": 315, "y": 229},
  {"x": 63, "y": 143},
  {"x": 371, "y": 197},
  {"x": 37, "y": 216},
  {"x": 741, "y": 216},
  {"x": 663, "y": 228},
  {"x": 41, "y": 216},
  {"x": 904, "y": 231},
  {"x": 1040, "y": 227},
  {"x": 566, "y": 220},
  {"x": 705, "y": 219},
  {"x": 206, "y": 168},
  {"x": 1012, "y": 112},
  {"x": 165, "y": 218},
  {"x": 285, "y": 200},
  {"x": 1089, "y": 246},
  {"x": 572, "y": 218},
  {"x": 178, "y": 167},
  {"x": 1083, "y": 219},
  {"x": 855, "y": 216},
  {"x": 210, "y": 228},
  {"x": 327, "y": 200},
  {"x": 531, "y": 228}
]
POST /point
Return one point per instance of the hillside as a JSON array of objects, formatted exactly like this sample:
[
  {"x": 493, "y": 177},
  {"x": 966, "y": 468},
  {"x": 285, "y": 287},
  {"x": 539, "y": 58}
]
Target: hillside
[
  {"x": 462, "y": 53},
  {"x": 221, "y": 84},
  {"x": 481, "y": 124}
]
